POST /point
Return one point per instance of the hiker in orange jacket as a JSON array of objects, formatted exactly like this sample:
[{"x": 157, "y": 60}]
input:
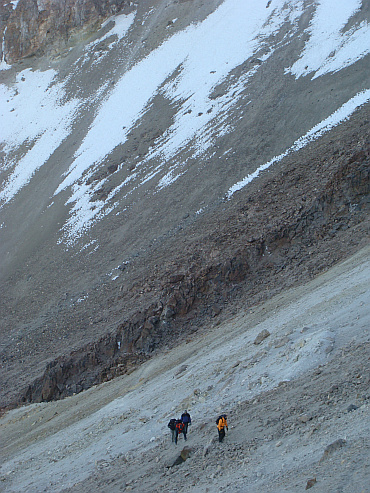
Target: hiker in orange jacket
[
  {"x": 221, "y": 425},
  {"x": 180, "y": 428}
]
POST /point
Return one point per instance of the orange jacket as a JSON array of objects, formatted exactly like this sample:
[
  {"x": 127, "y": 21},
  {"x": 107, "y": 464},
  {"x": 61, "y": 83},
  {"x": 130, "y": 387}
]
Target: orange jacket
[
  {"x": 222, "y": 423},
  {"x": 180, "y": 427}
]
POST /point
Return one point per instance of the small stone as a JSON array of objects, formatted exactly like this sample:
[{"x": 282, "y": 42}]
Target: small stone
[
  {"x": 330, "y": 449},
  {"x": 261, "y": 336},
  {"x": 207, "y": 449},
  {"x": 310, "y": 483},
  {"x": 281, "y": 342},
  {"x": 351, "y": 408},
  {"x": 185, "y": 452},
  {"x": 313, "y": 429}
]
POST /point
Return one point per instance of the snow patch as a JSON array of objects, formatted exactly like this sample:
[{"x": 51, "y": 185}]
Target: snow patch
[
  {"x": 341, "y": 114},
  {"x": 37, "y": 121},
  {"x": 187, "y": 69},
  {"x": 121, "y": 26},
  {"x": 203, "y": 54},
  {"x": 330, "y": 47}
]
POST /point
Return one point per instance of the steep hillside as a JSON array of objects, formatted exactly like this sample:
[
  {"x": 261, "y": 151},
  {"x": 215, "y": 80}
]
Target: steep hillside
[
  {"x": 166, "y": 165},
  {"x": 292, "y": 374}
]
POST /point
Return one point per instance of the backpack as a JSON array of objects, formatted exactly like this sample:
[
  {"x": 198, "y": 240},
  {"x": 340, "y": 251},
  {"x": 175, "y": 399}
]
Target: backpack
[
  {"x": 223, "y": 416},
  {"x": 180, "y": 426},
  {"x": 172, "y": 424}
]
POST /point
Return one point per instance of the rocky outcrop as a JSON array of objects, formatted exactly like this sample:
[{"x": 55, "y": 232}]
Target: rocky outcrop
[
  {"x": 35, "y": 27},
  {"x": 203, "y": 291}
]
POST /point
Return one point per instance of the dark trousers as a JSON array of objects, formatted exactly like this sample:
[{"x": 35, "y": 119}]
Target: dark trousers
[
  {"x": 173, "y": 435},
  {"x": 186, "y": 427},
  {"x": 177, "y": 435},
  {"x": 221, "y": 434}
]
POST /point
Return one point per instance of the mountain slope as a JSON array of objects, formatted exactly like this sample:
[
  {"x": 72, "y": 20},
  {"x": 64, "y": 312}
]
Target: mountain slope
[
  {"x": 183, "y": 157},
  {"x": 297, "y": 401}
]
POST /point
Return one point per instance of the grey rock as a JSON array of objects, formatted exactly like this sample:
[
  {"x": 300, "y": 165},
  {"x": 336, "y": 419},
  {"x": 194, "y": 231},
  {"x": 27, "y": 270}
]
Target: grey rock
[
  {"x": 333, "y": 447},
  {"x": 261, "y": 336}
]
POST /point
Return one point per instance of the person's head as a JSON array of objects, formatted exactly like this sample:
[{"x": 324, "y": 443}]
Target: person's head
[{"x": 185, "y": 411}]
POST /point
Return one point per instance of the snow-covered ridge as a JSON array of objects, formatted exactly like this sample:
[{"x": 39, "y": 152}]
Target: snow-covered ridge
[{"x": 185, "y": 69}]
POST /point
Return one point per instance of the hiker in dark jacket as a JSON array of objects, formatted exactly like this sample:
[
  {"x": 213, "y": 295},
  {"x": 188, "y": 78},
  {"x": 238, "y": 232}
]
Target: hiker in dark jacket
[
  {"x": 221, "y": 425},
  {"x": 172, "y": 426},
  {"x": 180, "y": 428},
  {"x": 186, "y": 419}
]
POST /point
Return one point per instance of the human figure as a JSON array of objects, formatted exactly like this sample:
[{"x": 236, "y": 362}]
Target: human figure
[
  {"x": 180, "y": 428},
  {"x": 172, "y": 426},
  {"x": 186, "y": 419},
  {"x": 221, "y": 425}
]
